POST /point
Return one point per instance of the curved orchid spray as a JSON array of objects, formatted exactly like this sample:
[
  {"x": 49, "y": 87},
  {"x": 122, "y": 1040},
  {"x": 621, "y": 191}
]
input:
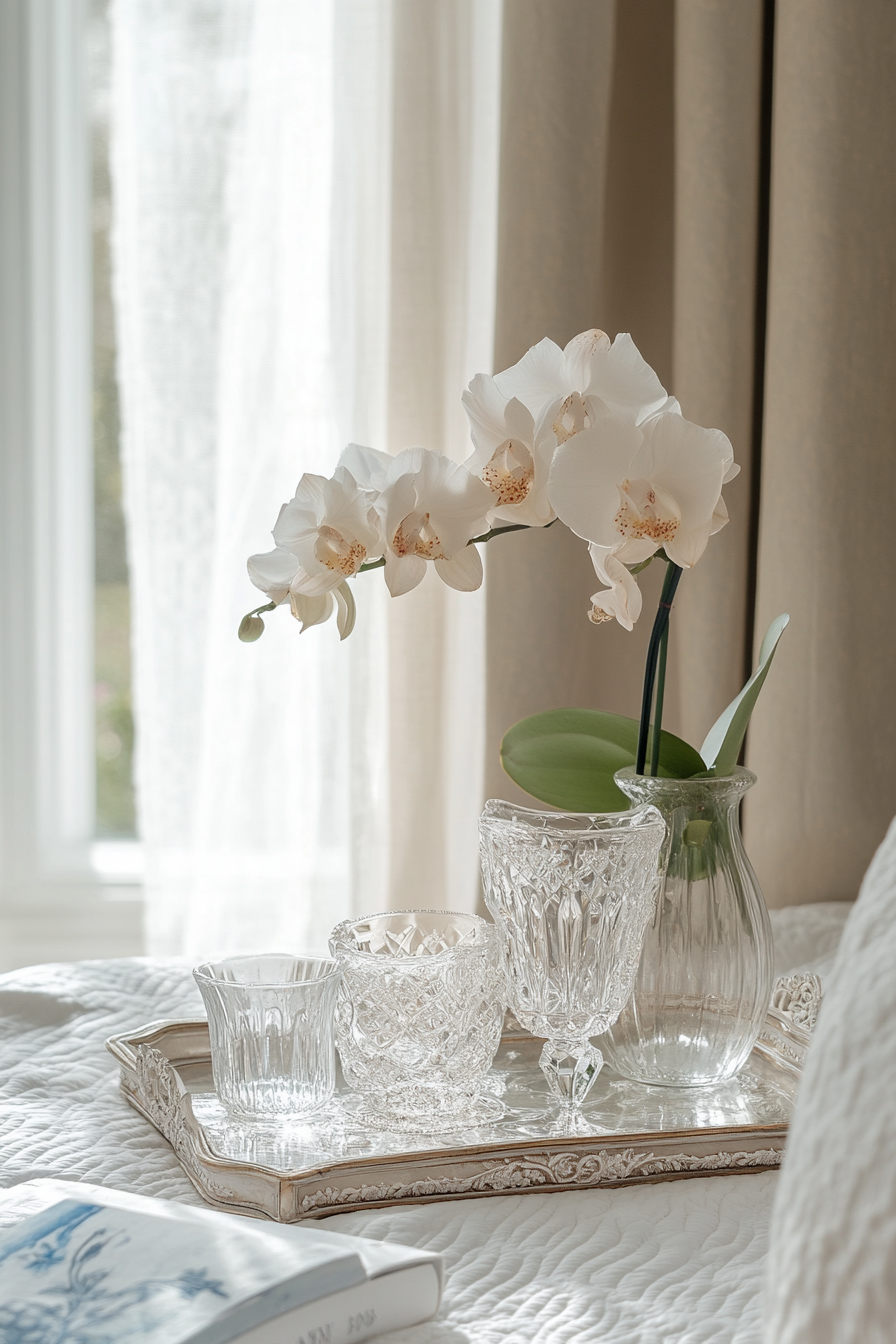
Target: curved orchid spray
[{"x": 585, "y": 435}]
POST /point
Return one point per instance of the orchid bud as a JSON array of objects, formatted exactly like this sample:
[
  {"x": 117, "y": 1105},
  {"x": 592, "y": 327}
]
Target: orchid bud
[{"x": 251, "y": 628}]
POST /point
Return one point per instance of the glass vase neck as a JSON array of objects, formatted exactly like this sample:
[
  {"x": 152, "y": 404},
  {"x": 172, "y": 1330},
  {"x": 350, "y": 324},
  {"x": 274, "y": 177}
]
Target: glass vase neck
[{"x": 668, "y": 794}]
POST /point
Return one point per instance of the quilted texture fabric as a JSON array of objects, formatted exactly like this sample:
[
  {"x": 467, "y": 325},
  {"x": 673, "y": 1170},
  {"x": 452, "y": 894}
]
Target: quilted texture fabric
[
  {"x": 807, "y": 936},
  {"x": 832, "y": 1268},
  {"x": 61, "y": 1113},
  {"x": 674, "y": 1263}
]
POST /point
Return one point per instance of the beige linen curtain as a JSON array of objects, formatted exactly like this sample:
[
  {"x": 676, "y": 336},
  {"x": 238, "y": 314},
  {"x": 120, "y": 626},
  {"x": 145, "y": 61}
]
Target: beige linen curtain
[
  {"x": 569, "y": 197},
  {"x": 634, "y": 196},
  {"x": 824, "y": 744}
]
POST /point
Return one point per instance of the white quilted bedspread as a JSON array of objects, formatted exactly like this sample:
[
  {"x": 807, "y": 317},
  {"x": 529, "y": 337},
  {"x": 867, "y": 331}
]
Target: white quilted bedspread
[{"x": 673, "y": 1263}]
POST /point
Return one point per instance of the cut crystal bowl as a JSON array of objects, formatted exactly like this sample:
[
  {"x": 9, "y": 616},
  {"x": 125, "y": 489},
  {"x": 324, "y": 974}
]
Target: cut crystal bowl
[{"x": 419, "y": 1016}]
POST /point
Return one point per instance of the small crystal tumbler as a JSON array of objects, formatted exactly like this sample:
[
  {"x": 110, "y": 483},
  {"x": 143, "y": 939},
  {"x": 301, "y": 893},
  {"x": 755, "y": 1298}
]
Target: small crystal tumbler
[
  {"x": 271, "y": 1023},
  {"x": 571, "y": 895},
  {"x": 419, "y": 1017}
]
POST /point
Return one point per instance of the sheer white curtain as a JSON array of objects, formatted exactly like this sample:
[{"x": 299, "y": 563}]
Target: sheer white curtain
[{"x": 304, "y": 248}]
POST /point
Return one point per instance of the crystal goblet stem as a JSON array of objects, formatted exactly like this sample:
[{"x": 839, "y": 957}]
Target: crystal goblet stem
[{"x": 571, "y": 1069}]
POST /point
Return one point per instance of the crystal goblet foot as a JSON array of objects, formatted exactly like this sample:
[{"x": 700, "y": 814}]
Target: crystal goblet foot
[{"x": 571, "y": 895}]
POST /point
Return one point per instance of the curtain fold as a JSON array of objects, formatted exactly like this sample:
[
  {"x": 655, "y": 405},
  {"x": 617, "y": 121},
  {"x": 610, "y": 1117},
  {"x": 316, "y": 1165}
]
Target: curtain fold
[
  {"x": 267, "y": 157},
  {"x": 718, "y": 77},
  {"x": 823, "y": 739},
  {"x": 550, "y": 221},
  {"x": 575, "y": 251}
]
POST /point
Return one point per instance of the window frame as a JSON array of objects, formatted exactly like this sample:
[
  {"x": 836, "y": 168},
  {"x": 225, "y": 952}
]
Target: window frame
[{"x": 47, "y": 751}]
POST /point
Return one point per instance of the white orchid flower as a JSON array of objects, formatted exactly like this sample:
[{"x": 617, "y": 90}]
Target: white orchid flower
[
  {"x": 635, "y": 488},
  {"x": 367, "y": 465},
  {"x": 621, "y": 599},
  {"x": 314, "y": 610},
  {"x": 277, "y": 572},
  {"x": 331, "y": 527},
  {"x": 573, "y": 386},
  {"x": 513, "y": 456},
  {"x": 430, "y": 508},
  {"x": 273, "y": 572}
]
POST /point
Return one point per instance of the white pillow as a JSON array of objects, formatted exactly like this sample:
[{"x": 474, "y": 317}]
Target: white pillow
[{"x": 832, "y": 1258}]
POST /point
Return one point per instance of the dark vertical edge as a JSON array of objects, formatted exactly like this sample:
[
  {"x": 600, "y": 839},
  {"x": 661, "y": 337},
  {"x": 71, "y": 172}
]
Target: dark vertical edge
[{"x": 760, "y": 320}]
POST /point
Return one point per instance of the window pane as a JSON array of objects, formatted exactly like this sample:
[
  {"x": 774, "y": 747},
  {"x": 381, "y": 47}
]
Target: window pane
[{"x": 114, "y": 721}]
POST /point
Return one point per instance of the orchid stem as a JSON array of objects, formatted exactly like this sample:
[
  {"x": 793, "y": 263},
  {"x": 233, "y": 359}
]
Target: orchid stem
[
  {"x": 510, "y": 527},
  {"x": 658, "y": 710},
  {"x": 661, "y": 622}
]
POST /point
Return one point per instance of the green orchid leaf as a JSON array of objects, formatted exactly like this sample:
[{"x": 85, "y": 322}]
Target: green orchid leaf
[
  {"x": 723, "y": 741},
  {"x": 568, "y": 757}
]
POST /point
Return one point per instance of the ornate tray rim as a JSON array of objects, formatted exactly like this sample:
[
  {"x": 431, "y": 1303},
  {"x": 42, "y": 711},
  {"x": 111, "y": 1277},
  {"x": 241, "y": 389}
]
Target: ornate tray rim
[{"x": 151, "y": 1083}]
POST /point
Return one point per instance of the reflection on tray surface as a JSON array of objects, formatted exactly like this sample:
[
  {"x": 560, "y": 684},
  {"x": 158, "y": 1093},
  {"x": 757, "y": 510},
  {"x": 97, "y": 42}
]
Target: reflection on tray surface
[{"x": 761, "y": 1095}]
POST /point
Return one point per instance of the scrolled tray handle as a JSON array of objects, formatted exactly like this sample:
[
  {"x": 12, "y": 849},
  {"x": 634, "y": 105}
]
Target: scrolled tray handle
[{"x": 798, "y": 997}]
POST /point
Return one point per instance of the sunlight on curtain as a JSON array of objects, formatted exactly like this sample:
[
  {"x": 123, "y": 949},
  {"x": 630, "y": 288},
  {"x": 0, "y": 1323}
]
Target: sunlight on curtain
[{"x": 258, "y": 292}]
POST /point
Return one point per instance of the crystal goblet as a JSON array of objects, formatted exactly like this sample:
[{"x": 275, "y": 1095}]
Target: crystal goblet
[
  {"x": 571, "y": 895},
  {"x": 419, "y": 1016}
]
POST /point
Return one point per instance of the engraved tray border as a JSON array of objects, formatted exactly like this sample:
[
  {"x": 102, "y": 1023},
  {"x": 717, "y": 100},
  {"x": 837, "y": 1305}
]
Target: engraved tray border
[{"x": 151, "y": 1082}]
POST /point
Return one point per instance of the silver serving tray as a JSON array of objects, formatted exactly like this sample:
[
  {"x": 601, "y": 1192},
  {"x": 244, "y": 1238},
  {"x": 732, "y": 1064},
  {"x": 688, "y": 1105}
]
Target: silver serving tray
[{"x": 627, "y": 1133}]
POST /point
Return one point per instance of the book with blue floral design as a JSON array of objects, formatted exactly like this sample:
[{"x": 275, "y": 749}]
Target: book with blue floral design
[{"x": 93, "y": 1267}]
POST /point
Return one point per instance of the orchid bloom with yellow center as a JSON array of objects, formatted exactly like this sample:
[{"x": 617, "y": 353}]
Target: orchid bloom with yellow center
[
  {"x": 631, "y": 490},
  {"x": 513, "y": 455},
  {"x": 324, "y": 535},
  {"x": 430, "y": 508},
  {"x": 331, "y": 527},
  {"x": 277, "y": 573},
  {"x": 646, "y": 512},
  {"x": 591, "y": 374}
]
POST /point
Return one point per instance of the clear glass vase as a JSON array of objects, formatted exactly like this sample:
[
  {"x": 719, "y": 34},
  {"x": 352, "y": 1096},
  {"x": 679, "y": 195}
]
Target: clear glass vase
[
  {"x": 571, "y": 895},
  {"x": 705, "y": 978}
]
